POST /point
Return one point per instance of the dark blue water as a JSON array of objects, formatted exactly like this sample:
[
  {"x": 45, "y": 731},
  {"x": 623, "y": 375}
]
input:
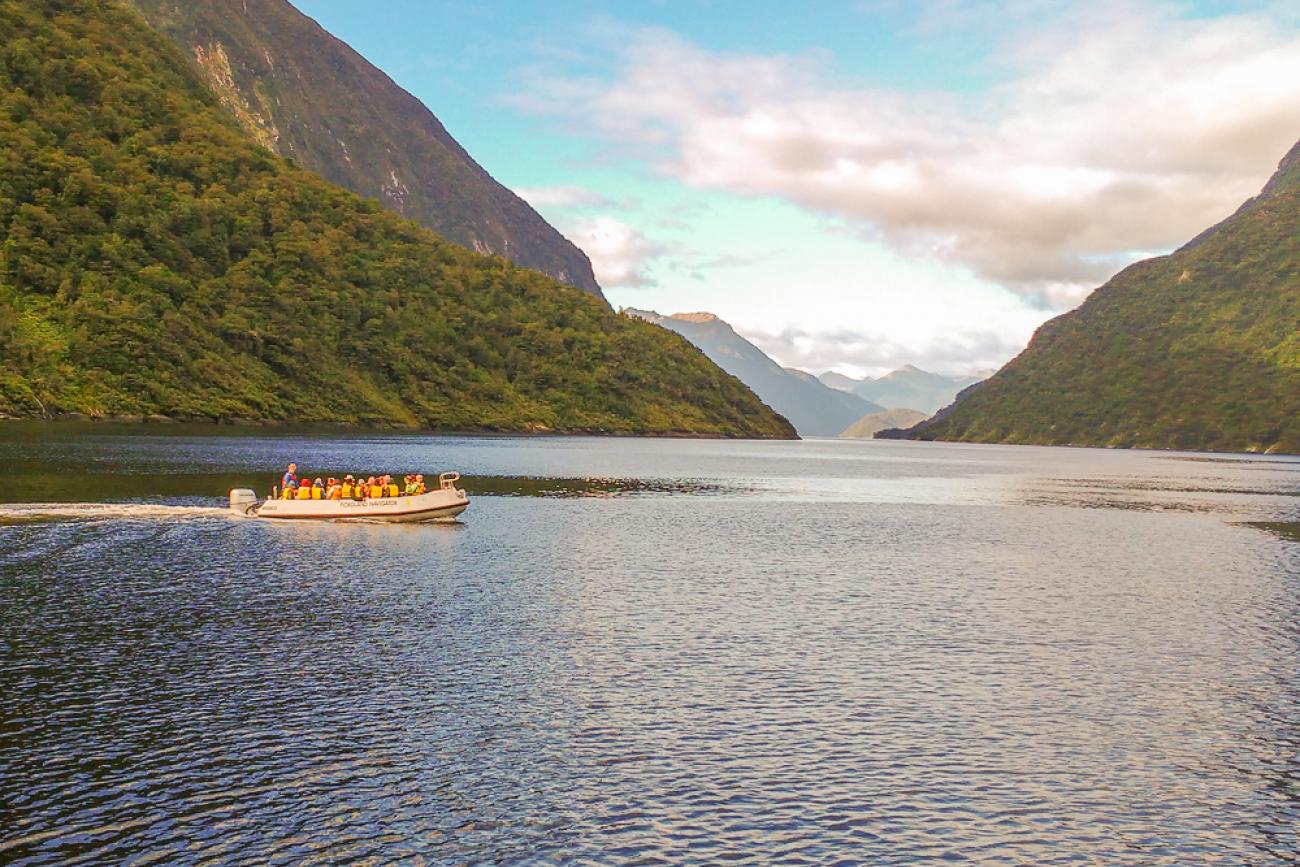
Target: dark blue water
[{"x": 651, "y": 651}]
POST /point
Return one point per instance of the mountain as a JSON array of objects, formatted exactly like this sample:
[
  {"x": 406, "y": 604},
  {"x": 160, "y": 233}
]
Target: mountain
[
  {"x": 907, "y": 387},
  {"x": 811, "y": 407},
  {"x": 157, "y": 260},
  {"x": 1199, "y": 349},
  {"x": 838, "y": 381},
  {"x": 867, "y": 426},
  {"x": 306, "y": 95}
]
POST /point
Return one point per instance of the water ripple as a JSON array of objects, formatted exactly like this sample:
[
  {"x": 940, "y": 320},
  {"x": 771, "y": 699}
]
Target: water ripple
[{"x": 779, "y": 676}]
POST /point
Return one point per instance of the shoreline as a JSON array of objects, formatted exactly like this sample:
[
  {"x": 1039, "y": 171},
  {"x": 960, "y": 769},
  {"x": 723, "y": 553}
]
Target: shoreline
[
  {"x": 1269, "y": 452},
  {"x": 164, "y": 423}
]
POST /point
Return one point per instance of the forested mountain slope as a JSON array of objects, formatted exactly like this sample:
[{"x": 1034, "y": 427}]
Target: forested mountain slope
[
  {"x": 307, "y": 95},
  {"x": 1199, "y": 349},
  {"x": 155, "y": 259}
]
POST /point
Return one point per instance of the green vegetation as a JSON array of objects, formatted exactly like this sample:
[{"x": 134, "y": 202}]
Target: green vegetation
[
  {"x": 156, "y": 260},
  {"x": 1196, "y": 350},
  {"x": 304, "y": 94}
]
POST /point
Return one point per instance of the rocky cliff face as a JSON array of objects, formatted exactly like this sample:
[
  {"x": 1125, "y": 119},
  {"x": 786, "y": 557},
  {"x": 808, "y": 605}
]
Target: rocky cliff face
[{"x": 304, "y": 94}]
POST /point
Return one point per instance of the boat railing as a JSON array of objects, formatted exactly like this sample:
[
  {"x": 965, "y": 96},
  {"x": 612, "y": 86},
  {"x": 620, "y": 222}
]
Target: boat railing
[{"x": 447, "y": 481}]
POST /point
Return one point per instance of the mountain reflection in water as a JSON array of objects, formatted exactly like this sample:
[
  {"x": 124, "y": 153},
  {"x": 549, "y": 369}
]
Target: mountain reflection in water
[{"x": 685, "y": 651}]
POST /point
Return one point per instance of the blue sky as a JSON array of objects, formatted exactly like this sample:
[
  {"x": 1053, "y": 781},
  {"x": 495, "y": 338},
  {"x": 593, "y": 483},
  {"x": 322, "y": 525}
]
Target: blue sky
[{"x": 857, "y": 185}]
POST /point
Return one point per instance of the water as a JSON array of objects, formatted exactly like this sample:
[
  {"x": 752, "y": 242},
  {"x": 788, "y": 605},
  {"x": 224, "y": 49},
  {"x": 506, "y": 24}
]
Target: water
[{"x": 649, "y": 651}]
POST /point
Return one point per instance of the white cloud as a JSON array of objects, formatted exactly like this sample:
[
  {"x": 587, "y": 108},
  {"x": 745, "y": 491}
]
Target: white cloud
[
  {"x": 561, "y": 197},
  {"x": 1114, "y": 135},
  {"x": 872, "y": 354},
  {"x": 618, "y": 252}
]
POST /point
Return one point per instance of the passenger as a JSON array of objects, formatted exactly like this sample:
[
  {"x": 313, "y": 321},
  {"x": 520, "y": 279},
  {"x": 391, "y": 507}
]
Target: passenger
[
  {"x": 318, "y": 489},
  {"x": 346, "y": 488},
  {"x": 390, "y": 487},
  {"x": 333, "y": 491},
  {"x": 419, "y": 484},
  {"x": 374, "y": 488},
  {"x": 290, "y": 488},
  {"x": 410, "y": 485},
  {"x": 304, "y": 491}
]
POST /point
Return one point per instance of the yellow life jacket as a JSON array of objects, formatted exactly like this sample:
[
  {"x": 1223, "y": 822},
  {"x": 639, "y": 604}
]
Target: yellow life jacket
[
  {"x": 392, "y": 490},
  {"x": 315, "y": 492},
  {"x": 418, "y": 489},
  {"x": 286, "y": 494},
  {"x": 376, "y": 490},
  {"x": 304, "y": 492},
  {"x": 347, "y": 491}
]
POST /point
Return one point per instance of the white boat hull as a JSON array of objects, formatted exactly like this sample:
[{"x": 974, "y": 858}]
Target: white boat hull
[{"x": 442, "y": 504}]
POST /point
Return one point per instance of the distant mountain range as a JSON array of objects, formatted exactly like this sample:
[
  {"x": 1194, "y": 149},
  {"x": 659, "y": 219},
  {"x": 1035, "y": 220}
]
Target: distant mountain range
[
  {"x": 813, "y": 408},
  {"x": 909, "y": 387},
  {"x": 1199, "y": 349},
  {"x": 303, "y": 94}
]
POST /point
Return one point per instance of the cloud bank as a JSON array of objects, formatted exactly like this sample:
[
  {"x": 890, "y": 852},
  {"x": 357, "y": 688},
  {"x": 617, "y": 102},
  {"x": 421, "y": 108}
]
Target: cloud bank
[{"x": 1111, "y": 136}]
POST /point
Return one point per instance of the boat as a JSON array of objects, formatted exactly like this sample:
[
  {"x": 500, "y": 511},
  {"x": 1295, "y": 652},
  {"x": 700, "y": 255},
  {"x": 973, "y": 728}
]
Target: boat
[{"x": 441, "y": 504}]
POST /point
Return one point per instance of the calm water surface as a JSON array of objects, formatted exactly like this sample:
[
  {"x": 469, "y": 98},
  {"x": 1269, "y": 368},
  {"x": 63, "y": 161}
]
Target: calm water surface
[{"x": 649, "y": 651}]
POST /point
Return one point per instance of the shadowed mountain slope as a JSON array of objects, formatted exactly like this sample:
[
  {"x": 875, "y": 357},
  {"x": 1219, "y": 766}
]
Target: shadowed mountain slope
[
  {"x": 812, "y": 407},
  {"x": 305, "y": 94}
]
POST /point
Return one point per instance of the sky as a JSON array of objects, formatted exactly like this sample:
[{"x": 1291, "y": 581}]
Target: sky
[{"x": 857, "y": 184}]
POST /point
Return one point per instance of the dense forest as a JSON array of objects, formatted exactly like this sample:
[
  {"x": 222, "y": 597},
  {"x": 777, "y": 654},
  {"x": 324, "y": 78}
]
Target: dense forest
[
  {"x": 1196, "y": 350},
  {"x": 157, "y": 260}
]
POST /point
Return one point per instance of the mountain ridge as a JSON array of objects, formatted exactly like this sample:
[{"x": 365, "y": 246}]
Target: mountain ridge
[
  {"x": 812, "y": 407},
  {"x": 907, "y": 387},
  {"x": 304, "y": 93},
  {"x": 1198, "y": 349}
]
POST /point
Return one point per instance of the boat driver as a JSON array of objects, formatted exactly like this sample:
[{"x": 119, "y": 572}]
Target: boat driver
[{"x": 290, "y": 477}]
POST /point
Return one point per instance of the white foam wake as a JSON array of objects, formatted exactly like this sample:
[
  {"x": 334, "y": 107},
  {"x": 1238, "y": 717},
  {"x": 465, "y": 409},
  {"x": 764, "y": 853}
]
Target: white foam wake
[{"x": 24, "y": 512}]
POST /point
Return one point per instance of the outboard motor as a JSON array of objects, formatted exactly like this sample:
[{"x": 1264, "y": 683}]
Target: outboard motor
[{"x": 243, "y": 501}]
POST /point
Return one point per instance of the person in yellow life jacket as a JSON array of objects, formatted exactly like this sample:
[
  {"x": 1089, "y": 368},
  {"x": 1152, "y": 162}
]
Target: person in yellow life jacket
[
  {"x": 419, "y": 484},
  {"x": 332, "y": 490},
  {"x": 290, "y": 489},
  {"x": 346, "y": 491},
  {"x": 318, "y": 489},
  {"x": 304, "y": 491},
  {"x": 390, "y": 487},
  {"x": 373, "y": 488}
]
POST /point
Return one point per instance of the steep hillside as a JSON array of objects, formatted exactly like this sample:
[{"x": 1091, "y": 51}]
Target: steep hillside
[
  {"x": 157, "y": 260},
  {"x": 1199, "y": 349},
  {"x": 813, "y": 408},
  {"x": 304, "y": 94},
  {"x": 867, "y": 426}
]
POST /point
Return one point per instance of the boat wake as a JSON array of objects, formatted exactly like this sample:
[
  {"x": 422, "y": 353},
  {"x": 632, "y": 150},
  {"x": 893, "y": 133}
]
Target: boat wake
[{"x": 28, "y": 513}]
